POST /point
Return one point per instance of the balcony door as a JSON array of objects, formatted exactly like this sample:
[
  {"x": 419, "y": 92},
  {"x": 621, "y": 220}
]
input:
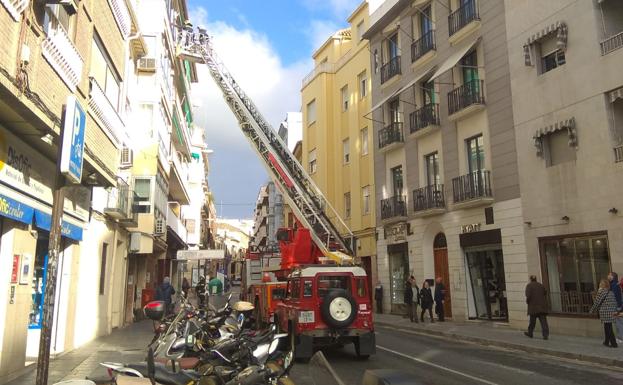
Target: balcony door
[
  {"x": 426, "y": 22},
  {"x": 394, "y": 114},
  {"x": 431, "y": 161},
  {"x": 392, "y": 47},
  {"x": 469, "y": 67},
  {"x": 428, "y": 93},
  {"x": 475, "y": 154},
  {"x": 397, "y": 183}
]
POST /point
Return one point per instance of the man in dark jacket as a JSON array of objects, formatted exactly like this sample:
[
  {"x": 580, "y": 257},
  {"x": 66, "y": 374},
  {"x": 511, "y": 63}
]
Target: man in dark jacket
[
  {"x": 378, "y": 296},
  {"x": 613, "y": 279},
  {"x": 409, "y": 299},
  {"x": 164, "y": 293},
  {"x": 440, "y": 295},
  {"x": 537, "y": 306}
]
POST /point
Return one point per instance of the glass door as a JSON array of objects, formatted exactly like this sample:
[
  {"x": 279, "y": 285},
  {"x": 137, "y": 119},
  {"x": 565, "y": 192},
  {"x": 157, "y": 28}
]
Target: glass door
[{"x": 486, "y": 271}]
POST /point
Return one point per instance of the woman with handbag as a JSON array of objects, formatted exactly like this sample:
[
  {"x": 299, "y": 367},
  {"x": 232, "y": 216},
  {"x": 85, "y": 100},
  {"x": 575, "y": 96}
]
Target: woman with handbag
[{"x": 606, "y": 306}]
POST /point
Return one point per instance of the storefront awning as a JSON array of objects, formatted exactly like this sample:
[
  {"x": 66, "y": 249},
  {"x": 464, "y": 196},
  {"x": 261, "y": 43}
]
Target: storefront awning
[
  {"x": 453, "y": 59},
  {"x": 43, "y": 221},
  {"x": 616, "y": 94},
  {"x": 15, "y": 210}
]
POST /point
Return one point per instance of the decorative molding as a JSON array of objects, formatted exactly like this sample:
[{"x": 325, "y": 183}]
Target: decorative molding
[{"x": 568, "y": 125}]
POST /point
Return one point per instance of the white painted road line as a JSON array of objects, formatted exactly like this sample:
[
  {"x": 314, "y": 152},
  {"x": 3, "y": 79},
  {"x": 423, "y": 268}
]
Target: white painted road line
[{"x": 437, "y": 366}]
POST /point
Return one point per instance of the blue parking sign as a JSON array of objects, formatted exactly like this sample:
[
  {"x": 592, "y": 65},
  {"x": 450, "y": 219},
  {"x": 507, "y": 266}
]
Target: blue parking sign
[{"x": 72, "y": 152}]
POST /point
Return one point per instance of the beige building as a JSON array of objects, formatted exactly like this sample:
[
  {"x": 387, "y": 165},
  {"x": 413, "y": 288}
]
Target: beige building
[
  {"x": 565, "y": 61},
  {"x": 447, "y": 185},
  {"x": 337, "y": 142}
]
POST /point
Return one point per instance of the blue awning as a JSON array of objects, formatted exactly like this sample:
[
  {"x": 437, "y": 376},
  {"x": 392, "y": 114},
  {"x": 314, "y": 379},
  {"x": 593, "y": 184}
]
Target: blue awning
[
  {"x": 44, "y": 221},
  {"x": 15, "y": 210}
]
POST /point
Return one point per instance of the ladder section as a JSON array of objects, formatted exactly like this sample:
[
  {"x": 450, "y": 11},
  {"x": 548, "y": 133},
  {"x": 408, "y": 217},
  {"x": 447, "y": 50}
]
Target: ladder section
[{"x": 327, "y": 228}]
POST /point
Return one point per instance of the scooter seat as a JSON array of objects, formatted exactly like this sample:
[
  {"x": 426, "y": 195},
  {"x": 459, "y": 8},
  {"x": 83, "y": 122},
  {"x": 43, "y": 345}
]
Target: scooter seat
[
  {"x": 182, "y": 363},
  {"x": 166, "y": 377}
]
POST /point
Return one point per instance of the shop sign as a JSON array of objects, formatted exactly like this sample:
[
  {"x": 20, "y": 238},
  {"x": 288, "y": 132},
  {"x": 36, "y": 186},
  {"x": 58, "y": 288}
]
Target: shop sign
[
  {"x": 15, "y": 210},
  {"x": 397, "y": 233},
  {"x": 24, "y": 169},
  {"x": 471, "y": 228},
  {"x": 72, "y": 151}
]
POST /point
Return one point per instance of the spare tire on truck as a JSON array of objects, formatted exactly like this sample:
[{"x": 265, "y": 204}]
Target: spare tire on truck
[{"x": 338, "y": 309}]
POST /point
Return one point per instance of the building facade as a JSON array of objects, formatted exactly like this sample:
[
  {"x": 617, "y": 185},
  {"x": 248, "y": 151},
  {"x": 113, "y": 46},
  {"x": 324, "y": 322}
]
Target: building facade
[
  {"x": 445, "y": 163},
  {"x": 565, "y": 60},
  {"x": 268, "y": 218},
  {"x": 337, "y": 134}
]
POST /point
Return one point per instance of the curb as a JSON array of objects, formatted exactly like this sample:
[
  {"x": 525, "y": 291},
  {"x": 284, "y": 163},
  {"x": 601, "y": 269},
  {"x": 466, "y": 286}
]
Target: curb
[{"x": 525, "y": 348}]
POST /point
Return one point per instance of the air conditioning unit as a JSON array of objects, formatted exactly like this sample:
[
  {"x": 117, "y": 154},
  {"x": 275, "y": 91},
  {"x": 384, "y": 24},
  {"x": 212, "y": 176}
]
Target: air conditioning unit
[
  {"x": 126, "y": 156},
  {"x": 147, "y": 64},
  {"x": 161, "y": 226}
]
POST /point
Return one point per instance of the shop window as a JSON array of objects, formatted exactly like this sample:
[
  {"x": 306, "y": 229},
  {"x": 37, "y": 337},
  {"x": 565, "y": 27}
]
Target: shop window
[
  {"x": 573, "y": 267},
  {"x": 103, "y": 268},
  {"x": 558, "y": 148}
]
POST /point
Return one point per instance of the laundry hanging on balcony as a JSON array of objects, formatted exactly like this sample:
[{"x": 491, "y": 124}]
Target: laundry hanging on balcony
[{"x": 561, "y": 31}]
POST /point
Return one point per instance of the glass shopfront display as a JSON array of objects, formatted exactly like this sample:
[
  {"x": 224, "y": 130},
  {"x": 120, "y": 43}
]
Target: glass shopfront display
[
  {"x": 399, "y": 271},
  {"x": 486, "y": 274}
]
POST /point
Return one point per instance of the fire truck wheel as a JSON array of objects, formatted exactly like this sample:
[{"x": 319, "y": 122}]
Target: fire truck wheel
[{"x": 338, "y": 309}]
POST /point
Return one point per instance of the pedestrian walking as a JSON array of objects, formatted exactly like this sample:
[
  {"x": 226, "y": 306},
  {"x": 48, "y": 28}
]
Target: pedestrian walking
[
  {"x": 408, "y": 298},
  {"x": 426, "y": 301},
  {"x": 536, "y": 298},
  {"x": 165, "y": 292},
  {"x": 440, "y": 295},
  {"x": 605, "y": 305},
  {"x": 416, "y": 298},
  {"x": 378, "y": 297},
  {"x": 185, "y": 287},
  {"x": 615, "y": 287},
  {"x": 200, "y": 290}
]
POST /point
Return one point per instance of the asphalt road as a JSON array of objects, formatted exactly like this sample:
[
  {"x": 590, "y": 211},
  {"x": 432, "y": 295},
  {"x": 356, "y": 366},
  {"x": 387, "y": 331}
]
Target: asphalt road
[{"x": 434, "y": 361}]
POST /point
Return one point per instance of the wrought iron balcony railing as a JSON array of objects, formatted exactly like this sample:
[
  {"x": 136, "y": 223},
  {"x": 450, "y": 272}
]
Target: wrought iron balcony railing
[
  {"x": 423, "y": 45},
  {"x": 391, "y": 134},
  {"x": 472, "y": 186},
  {"x": 471, "y": 92},
  {"x": 428, "y": 198},
  {"x": 464, "y": 15},
  {"x": 612, "y": 43},
  {"x": 428, "y": 115},
  {"x": 395, "y": 206},
  {"x": 390, "y": 69}
]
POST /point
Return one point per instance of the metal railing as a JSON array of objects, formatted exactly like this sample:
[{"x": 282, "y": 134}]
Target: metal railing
[
  {"x": 105, "y": 110},
  {"x": 463, "y": 16},
  {"x": 429, "y": 197},
  {"x": 471, "y": 92},
  {"x": 428, "y": 115},
  {"x": 472, "y": 186},
  {"x": 61, "y": 53},
  {"x": 391, "y": 134},
  {"x": 395, "y": 206},
  {"x": 618, "y": 154},
  {"x": 612, "y": 43},
  {"x": 423, "y": 45},
  {"x": 390, "y": 69}
]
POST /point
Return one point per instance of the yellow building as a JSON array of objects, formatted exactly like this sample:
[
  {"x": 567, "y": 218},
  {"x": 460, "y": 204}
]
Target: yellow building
[{"x": 337, "y": 135}]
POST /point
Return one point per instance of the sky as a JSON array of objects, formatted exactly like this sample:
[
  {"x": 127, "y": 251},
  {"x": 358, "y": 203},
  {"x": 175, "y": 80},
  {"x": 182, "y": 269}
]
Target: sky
[{"x": 267, "y": 47}]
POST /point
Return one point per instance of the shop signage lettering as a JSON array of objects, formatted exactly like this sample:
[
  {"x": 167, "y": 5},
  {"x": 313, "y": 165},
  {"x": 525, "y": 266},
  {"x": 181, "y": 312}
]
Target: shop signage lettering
[
  {"x": 397, "y": 233},
  {"x": 15, "y": 270},
  {"x": 15, "y": 210},
  {"x": 12, "y": 295},
  {"x": 471, "y": 228}
]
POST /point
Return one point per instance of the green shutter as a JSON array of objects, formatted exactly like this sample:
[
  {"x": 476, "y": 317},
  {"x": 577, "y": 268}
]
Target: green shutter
[{"x": 178, "y": 129}]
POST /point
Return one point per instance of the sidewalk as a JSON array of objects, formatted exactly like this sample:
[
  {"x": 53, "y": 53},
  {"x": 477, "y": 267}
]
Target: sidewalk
[
  {"x": 123, "y": 345},
  {"x": 587, "y": 349}
]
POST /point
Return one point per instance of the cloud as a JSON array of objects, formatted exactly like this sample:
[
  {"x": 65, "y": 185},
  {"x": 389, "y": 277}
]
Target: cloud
[
  {"x": 320, "y": 31},
  {"x": 341, "y": 9}
]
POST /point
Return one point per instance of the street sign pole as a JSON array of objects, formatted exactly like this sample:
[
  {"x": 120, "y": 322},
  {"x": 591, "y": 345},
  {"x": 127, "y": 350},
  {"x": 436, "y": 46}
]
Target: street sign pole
[
  {"x": 45, "y": 339},
  {"x": 69, "y": 158}
]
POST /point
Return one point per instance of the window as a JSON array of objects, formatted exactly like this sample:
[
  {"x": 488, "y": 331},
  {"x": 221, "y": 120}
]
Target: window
[
  {"x": 392, "y": 47},
  {"x": 361, "y": 287},
  {"x": 102, "y": 71},
  {"x": 431, "y": 162},
  {"x": 161, "y": 196},
  {"x": 469, "y": 67},
  {"x": 294, "y": 288},
  {"x": 551, "y": 56},
  {"x": 426, "y": 21},
  {"x": 376, "y": 60},
  {"x": 393, "y": 111},
  {"x": 475, "y": 154},
  {"x": 344, "y": 92},
  {"x": 365, "y": 192},
  {"x": 360, "y": 31},
  {"x": 146, "y": 117},
  {"x": 364, "y": 141},
  {"x": 311, "y": 112},
  {"x": 312, "y": 161},
  {"x": 558, "y": 149},
  {"x": 346, "y": 150},
  {"x": 56, "y": 17},
  {"x": 573, "y": 267},
  {"x": 326, "y": 283},
  {"x": 428, "y": 93},
  {"x": 363, "y": 85},
  {"x": 396, "y": 173},
  {"x": 103, "y": 268},
  {"x": 142, "y": 188},
  {"x": 307, "y": 289},
  {"x": 347, "y": 205}
]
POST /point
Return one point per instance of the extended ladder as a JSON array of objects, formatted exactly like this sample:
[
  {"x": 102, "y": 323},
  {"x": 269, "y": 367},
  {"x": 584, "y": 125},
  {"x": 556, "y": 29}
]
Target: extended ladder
[{"x": 327, "y": 228}]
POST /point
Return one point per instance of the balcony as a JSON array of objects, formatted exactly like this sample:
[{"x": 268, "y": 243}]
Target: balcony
[
  {"x": 391, "y": 136},
  {"x": 429, "y": 200},
  {"x": 612, "y": 43},
  {"x": 463, "y": 16},
  {"x": 465, "y": 99},
  {"x": 122, "y": 16},
  {"x": 394, "y": 208},
  {"x": 422, "y": 46},
  {"x": 472, "y": 189},
  {"x": 425, "y": 117},
  {"x": 15, "y": 7},
  {"x": 390, "y": 69},
  {"x": 120, "y": 204},
  {"x": 62, "y": 55},
  {"x": 175, "y": 224},
  {"x": 105, "y": 113},
  {"x": 178, "y": 181},
  {"x": 618, "y": 154}
]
